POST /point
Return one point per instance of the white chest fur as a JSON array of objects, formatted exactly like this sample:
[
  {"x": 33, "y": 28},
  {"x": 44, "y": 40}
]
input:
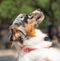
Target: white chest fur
[
  {"x": 37, "y": 41},
  {"x": 41, "y": 53}
]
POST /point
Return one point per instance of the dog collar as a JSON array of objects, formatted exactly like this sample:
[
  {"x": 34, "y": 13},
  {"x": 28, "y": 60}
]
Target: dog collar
[{"x": 27, "y": 50}]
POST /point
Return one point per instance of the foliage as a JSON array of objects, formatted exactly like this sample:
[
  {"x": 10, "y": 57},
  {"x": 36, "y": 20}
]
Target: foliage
[{"x": 9, "y": 9}]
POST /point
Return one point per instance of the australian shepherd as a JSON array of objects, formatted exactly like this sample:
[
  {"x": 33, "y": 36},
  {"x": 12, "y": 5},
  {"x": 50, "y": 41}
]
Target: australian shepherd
[{"x": 32, "y": 44}]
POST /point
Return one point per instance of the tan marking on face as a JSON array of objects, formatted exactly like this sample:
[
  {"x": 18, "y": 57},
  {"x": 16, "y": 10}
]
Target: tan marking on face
[
  {"x": 33, "y": 20},
  {"x": 32, "y": 17},
  {"x": 16, "y": 33},
  {"x": 30, "y": 29}
]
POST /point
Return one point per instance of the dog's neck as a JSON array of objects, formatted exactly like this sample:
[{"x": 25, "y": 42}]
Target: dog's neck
[
  {"x": 33, "y": 32},
  {"x": 30, "y": 29},
  {"x": 37, "y": 41},
  {"x": 38, "y": 34}
]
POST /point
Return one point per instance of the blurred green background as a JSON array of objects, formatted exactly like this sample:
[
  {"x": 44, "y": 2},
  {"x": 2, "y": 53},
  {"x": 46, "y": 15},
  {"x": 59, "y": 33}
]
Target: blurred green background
[{"x": 9, "y": 9}]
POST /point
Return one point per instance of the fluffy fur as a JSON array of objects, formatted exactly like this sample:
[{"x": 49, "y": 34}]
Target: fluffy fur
[
  {"x": 41, "y": 49},
  {"x": 41, "y": 52}
]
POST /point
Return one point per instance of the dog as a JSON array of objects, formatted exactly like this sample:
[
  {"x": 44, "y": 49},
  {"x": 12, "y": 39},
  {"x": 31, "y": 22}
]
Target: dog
[{"x": 35, "y": 47}]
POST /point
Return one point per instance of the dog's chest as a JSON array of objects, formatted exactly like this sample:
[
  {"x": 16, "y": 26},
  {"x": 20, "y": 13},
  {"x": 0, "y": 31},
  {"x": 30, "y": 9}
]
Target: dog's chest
[{"x": 34, "y": 41}]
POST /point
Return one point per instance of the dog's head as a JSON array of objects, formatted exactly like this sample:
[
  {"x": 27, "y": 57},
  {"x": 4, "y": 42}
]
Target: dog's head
[
  {"x": 36, "y": 17},
  {"x": 25, "y": 25}
]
